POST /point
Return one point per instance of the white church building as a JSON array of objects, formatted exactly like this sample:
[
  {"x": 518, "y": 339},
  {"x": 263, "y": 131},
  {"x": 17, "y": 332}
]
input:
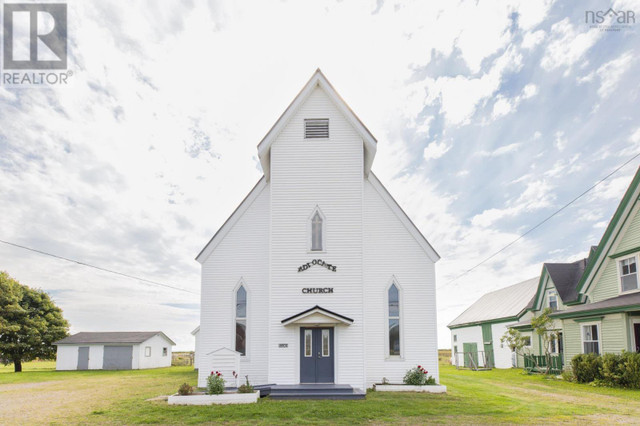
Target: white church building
[{"x": 318, "y": 276}]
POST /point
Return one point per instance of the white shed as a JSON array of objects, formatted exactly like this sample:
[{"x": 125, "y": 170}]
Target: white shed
[{"x": 114, "y": 351}]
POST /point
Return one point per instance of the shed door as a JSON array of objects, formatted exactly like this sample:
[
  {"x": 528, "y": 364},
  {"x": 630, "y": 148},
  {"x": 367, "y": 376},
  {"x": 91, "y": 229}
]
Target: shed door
[
  {"x": 117, "y": 358},
  {"x": 83, "y": 358},
  {"x": 470, "y": 355}
]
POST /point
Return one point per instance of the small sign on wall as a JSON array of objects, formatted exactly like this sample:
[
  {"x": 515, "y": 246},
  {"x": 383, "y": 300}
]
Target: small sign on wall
[{"x": 283, "y": 345}]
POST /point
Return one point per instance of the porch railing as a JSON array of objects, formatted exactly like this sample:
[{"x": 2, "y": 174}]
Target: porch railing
[{"x": 539, "y": 362}]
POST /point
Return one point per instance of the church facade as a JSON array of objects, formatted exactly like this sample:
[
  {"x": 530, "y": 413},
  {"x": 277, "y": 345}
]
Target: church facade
[{"x": 318, "y": 276}]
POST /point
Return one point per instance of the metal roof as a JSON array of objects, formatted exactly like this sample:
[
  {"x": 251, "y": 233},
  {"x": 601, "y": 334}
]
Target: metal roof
[
  {"x": 508, "y": 302},
  {"x": 111, "y": 337}
]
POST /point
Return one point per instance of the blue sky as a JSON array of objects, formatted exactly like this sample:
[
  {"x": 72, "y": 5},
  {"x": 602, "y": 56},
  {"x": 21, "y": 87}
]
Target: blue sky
[{"x": 489, "y": 116}]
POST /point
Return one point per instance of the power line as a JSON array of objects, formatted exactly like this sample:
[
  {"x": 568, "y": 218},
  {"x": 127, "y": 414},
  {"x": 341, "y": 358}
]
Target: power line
[
  {"x": 111, "y": 271},
  {"x": 545, "y": 220}
]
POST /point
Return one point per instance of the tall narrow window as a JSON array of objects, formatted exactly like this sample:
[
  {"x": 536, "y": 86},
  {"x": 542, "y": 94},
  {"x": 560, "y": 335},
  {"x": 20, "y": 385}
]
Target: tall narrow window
[
  {"x": 316, "y": 232},
  {"x": 553, "y": 301},
  {"x": 394, "y": 320},
  {"x": 629, "y": 274},
  {"x": 241, "y": 320}
]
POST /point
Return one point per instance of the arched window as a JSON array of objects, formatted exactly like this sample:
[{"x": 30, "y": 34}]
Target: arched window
[
  {"x": 394, "y": 320},
  {"x": 241, "y": 320},
  {"x": 316, "y": 232}
]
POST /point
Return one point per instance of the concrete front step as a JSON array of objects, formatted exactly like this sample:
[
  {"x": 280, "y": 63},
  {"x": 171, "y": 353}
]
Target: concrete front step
[
  {"x": 318, "y": 395},
  {"x": 311, "y": 391}
]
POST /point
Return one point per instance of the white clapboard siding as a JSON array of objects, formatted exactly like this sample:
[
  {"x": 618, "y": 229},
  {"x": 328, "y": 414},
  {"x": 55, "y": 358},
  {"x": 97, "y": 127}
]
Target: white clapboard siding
[
  {"x": 241, "y": 255},
  {"x": 306, "y": 173},
  {"x": 391, "y": 251}
]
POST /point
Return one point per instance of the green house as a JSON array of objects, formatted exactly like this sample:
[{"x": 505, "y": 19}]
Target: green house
[{"x": 605, "y": 313}]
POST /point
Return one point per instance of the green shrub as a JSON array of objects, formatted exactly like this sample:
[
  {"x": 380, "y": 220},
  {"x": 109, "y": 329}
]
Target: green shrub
[
  {"x": 246, "y": 388},
  {"x": 417, "y": 376},
  {"x": 612, "y": 370},
  {"x": 631, "y": 370},
  {"x": 567, "y": 376},
  {"x": 185, "y": 389},
  {"x": 586, "y": 367},
  {"x": 215, "y": 383}
]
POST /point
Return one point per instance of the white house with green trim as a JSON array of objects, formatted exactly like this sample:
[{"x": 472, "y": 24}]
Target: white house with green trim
[
  {"x": 476, "y": 333},
  {"x": 595, "y": 301}
]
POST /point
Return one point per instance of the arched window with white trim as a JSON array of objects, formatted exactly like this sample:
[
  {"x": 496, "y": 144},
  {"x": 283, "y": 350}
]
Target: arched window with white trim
[
  {"x": 241, "y": 320},
  {"x": 393, "y": 301},
  {"x": 317, "y": 224}
]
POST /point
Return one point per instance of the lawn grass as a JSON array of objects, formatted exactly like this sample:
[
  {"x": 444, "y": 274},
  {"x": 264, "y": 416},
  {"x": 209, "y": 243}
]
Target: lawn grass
[{"x": 498, "y": 396}]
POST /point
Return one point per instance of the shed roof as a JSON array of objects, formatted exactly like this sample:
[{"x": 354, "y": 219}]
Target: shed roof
[
  {"x": 86, "y": 337},
  {"x": 505, "y": 303}
]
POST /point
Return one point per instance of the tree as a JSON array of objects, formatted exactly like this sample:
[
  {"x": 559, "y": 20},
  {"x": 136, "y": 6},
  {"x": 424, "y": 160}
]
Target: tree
[
  {"x": 518, "y": 344},
  {"x": 543, "y": 326},
  {"x": 29, "y": 323}
]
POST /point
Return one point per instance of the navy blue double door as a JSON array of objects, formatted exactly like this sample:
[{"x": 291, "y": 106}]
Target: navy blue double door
[{"x": 316, "y": 355}]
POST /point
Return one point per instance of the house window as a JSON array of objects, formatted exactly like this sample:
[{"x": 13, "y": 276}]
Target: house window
[
  {"x": 241, "y": 320},
  {"x": 629, "y": 274},
  {"x": 147, "y": 351},
  {"x": 394, "y": 320},
  {"x": 164, "y": 351},
  {"x": 316, "y": 232},
  {"x": 455, "y": 337},
  {"x": 591, "y": 339},
  {"x": 553, "y": 346},
  {"x": 526, "y": 340},
  {"x": 553, "y": 301},
  {"x": 455, "y": 349}
]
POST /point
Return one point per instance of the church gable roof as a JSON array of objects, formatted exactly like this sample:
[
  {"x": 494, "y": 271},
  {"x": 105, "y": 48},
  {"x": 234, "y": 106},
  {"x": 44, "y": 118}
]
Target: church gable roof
[{"x": 317, "y": 80}]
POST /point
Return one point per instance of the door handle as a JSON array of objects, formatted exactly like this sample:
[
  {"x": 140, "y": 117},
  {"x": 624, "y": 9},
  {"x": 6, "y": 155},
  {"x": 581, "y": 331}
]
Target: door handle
[{"x": 319, "y": 355}]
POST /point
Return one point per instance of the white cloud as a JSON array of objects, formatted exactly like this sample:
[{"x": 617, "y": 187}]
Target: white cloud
[
  {"x": 537, "y": 195},
  {"x": 611, "y": 73},
  {"x": 532, "y": 39},
  {"x": 435, "y": 150},
  {"x": 567, "y": 45},
  {"x": 560, "y": 140},
  {"x": 504, "y": 105},
  {"x": 503, "y": 150},
  {"x": 460, "y": 96}
]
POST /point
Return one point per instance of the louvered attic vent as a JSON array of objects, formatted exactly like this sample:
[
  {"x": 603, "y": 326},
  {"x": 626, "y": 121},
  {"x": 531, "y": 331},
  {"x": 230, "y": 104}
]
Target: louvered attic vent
[{"x": 316, "y": 128}]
